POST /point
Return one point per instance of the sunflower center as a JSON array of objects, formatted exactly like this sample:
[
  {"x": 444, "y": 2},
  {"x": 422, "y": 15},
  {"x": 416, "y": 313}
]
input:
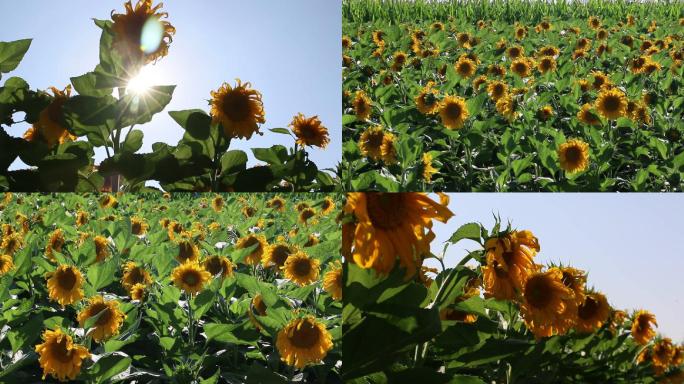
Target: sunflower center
[
  {"x": 280, "y": 254},
  {"x": 386, "y": 210},
  {"x": 538, "y": 292},
  {"x": 520, "y": 68},
  {"x": 305, "y": 335},
  {"x": 611, "y": 103},
  {"x": 464, "y": 67},
  {"x": 454, "y": 110},
  {"x": 214, "y": 265},
  {"x": 573, "y": 154},
  {"x": 588, "y": 309},
  {"x": 302, "y": 267},
  {"x": 191, "y": 278},
  {"x": 60, "y": 352},
  {"x": 135, "y": 276},
  {"x": 136, "y": 228},
  {"x": 307, "y": 214},
  {"x": 66, "y": 279},
  {"x": 236, "y": 105},
  {"x": 106, "y": 313}
]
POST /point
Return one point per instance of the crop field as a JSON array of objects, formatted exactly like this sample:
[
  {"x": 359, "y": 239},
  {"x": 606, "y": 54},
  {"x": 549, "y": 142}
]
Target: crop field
[
  {"x": 496, "y": 316},
  {"x": 513, "y": 96},
  {"x": 239, "y": 288}
]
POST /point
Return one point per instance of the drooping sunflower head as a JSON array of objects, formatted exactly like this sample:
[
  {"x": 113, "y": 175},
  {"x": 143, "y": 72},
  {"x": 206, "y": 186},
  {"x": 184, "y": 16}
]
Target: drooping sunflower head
[
  {"x": 50, "y": 126},
  {"x": 251, "y": 240},
  {"x": 512, "y": 253},
  {"x": 496, "y": 70},
  {"x": 109, "y": 318},
  {"x": 663, "y": 351},
  {"x": 187, "y": 250},
  {"x": 583, "y": 44},
  {"x": 140, "y": 35},
  {"x": 454, "y": 112},
  {"x": 65, "y": 285},
  {"x": 544, "y": 302},
  {"x": 138, "y": 292},
  {"x": 302, "y": 206},
  {"x": 346, "y": 42},
  {"x": 101, "y": 248},
  {"x": 276, "y": 254},
  {"x": 642, "y": 327},
  {"x": 134, "y": 274},
  {"x": 574, "y": 155},
  {"x": 378, "y": 37},
  {"x": 190, "y": 277},
  {"x": 370, "y": 142},
  {"x": 310, "y": 131},
  {"x": 277, "y": 203},
  {"x": 301, "y": 269},
  {"x": 248, "y": 211},
  {"x": 138, "y": 226},
  {"x": 218, "y": 265},
  {"x": 576, "y": 280},
  {"x": 399, "y": 59},
  {"x": 312, "y": 239},
  {"x": 611, "y": 103},
  {"x": 465, "y": 67},
  {"x": 521, "y": 67},
  {"x": 55, "y": 243},
  {"x": 498, "y": 281},
  {"x": 592, "y": 312},
  {"x": 507, "y": 106},
  {"x": 6, "y": 264},
  {"x": 59, "y": 356},
  {"x": 303, "y": 341},
  {"x": 239, "y": 109},
  {"x": 332, "y": 281},
  {"x": 362, "y": 105}
]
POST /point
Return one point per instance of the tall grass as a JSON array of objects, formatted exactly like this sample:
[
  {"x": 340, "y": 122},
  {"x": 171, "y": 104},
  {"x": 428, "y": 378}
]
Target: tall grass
[{"x": 396, "y": 11}]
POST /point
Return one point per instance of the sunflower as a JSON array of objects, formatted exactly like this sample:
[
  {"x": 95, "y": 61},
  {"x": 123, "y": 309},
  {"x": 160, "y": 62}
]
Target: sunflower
[
  {"x": 108, "y": 201},
  {"x": 497, "y": 89},
  {"x": 190, "y": 277},
  {"x": 642, "y": 327},
  {"x": 65, "y": 285},
  {"x": 6, "y": 264},
  {"x": 59, "y": 356},
  {"x": 239, "y": 109},
  {"x": 428, "y": 169},
  {"x": 218, "y": 265},
  {"x": 133, "y": 275},
  {"x": 496, "y": 70},
  {"x": 302, "y": 206},
  {"x": 546, "y": 64},
  {"x": 50, "y": 126},
  {"x": 453, "y": 111},
  {"x": 427, "y": 101},
  {"x": 594, "y": 22},
  {"x": 346, "y": 42},
  {"x": 12, "y": 243},
  {"x": 512, "y": 253},
  {"x": 251, "y": 240},
  {"x": 370, "y": 142},
  {"x": 277, "y": 203},
  {"x": 55, "y": 243},
  {"x": 187, "y": 250},
  {"x": 393, "y": 224},
  {"x": 138, "y": 226},
  {"x": 109, "y": 321},
  {"x": 327, "y": 206},
  {"x": 303, "y": 341},
  {"x": 258, "y": 306},
  {"x": 520, "y": 32},
  {"x": 544, "y": 113},
  {"x": 465, "y": 67},
  {"x": 574, "y": 155},
  {"x": 522, "y": 67},
  {"x": 138, "y": 292},
  {"x": 310, "y": 131},
  {"x": 464, "y": 39},
  {"x": 101, "y": 248},
  {"x": 576, "y": 280},
  {"x": 306, "y": 214},
  {"x": 332, "y": 281},
  {"x": 362, "y": 105},
  {"x": 544, "y": 300},
  {"x": 611, "y": 103},
  {"x": 663, "y": 351},
  {"x": 378, "y": 37},
  {"x": 399, "y": 59},
  {"x": 128, "y": 29},
  {"x": 217, "y": 203},
  {"x": 312, "y": 240},
  {"x": 507, "y": 107},
  {"x": 81, "y": 218},
  {"x": 678, "y": 356},
  {"x": 388, "y": 151},
  {"x": 587, "y": 116},
  {"x": 301, "y": 269},
  {"x": 276, "y": 254},
  {"x": 549, "y": 50},
  {"x": 592, "y": 313},
  {"x": 515, "y": 52}
]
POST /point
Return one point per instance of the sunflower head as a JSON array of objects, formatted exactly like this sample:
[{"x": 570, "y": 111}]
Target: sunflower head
[
  {"x": 663, "y": 351},
  {"x": 81, "y": 218},
  {"x": 587, "y": 115},
  {"x": 187, "y": 250},
  {"x": 497, "y": 89},
  {"x": 50, "y": 126},
  {"x": 254, "y": 258},
  {"x": 65, "y": 285},
  {"x": 332, "y": 281},
  {"x": 574, "y": 155},
  {"x": 129, "y": 33},
  {"x": 592, "y": 312},
  {"x": 496, "y": 70},
  {"x": 301, "y": 269},
  {"x": 190, "y": 277},
  {"x": 12, "y": 243},
  {"x": 515, "y": 52},
  {"x": 101, "y": 248},
  {"x": 59, "y": 356},
  {"x": 303, "y": 341},
  {"x": 612, "y": 103},
  {"x": 277, "y": 203},
  {"x": 465, "y": 67},
  {"x": 545, "y": 112},
  {"x": 217, "y": 203},
  {"x": 108, "y": 201},
  {"x": 544, "y": 301},
  {"x": 239, "y": 109},
  {"x": 546, "y": 64},
  {"x": 109, "y": 318},
  {"x": 346, "y": 42},
  {"x": 133, "y": 275},
  {"x": 427, "y": 101},
  {"x": 6, "y": 264},
  {"x": 312, "y": 240},
  {"x": 642, "y": 327},
  {"x": 310, "y": 131},
  {"x": 138, "y": 292},
  {"x": 388, "y": 151},
  {"x": 218, "y": 265},
  {"x": 362, "y": 105},
  {"x": 276, "y": 254},
  {"x": 507, "y": 106},
  {"x": 327, "y": 206},
  {"x": 428, "y": 169},
  {"x": 454, "y": 112},
  {"x": 370, "y": 142},
  {"x": 138, "y": 226},
  {"x": 522, "y": 67}
]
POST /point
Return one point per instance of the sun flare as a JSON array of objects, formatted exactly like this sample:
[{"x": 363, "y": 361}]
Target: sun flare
[{"x": 141, "y": 83}]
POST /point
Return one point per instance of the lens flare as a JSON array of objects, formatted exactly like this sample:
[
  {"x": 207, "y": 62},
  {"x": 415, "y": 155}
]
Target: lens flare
[
  {"x": 151, "y": 36},
  {"x": 141, "y": 83}
]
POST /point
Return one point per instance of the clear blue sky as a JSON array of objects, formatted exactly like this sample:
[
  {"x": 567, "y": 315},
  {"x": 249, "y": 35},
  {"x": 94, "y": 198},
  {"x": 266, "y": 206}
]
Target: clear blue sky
[
  {"x": 289, "y": 50},
  {"x": 631, "y": 244}
]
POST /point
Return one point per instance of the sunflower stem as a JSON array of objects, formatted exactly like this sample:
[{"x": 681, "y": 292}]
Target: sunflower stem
[{"x": 191, "y": 324}]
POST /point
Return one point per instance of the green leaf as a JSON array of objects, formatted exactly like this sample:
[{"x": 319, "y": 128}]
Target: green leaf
[
  {"x": 11, "y": 54},
  {"x": 102, "y": 274},
  {"x": 108, "y": 366},
  {"x": 233, "y": 161},
  {"x": 203, "y": 302},
  {"x": 195, "y": 121},
  {"x": 88, "y": 114},
  {"x": 466, "y": 231},
  {"x": 86, "y": 85},
  {"x": 136, "y": 109},
  {"x": 283, "y": 131},
  {"x": 134, "y": 141},
  {"x": 277, "y": 154},
  {"x": 239, "y": 334},
  {"x": 27, "y": 334}
]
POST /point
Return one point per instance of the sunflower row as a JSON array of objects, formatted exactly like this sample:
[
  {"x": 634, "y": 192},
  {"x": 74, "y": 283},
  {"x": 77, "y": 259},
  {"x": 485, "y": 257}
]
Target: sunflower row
[{"x": 261, "y": 252}]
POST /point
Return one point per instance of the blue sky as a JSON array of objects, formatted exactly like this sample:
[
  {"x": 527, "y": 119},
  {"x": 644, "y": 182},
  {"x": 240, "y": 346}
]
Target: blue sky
[
  {"x": 631, "y": 244},
  {"x": 288, "y": 50}
]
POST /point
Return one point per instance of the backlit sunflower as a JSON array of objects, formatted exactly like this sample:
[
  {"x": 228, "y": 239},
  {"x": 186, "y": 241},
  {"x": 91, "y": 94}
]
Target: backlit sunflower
[
  {"x": 514, "y": 253},
  {"x": 59, "y": 356},
  {"x": 497, "y": 89},
  {"x": 239, "y": 109},
  {"x": 310, "y": 131},
  {"x": 303, "y": 341},
  {"x": 332, "y": 281},
  {"x": 576, "y": 280},
  {"x": 277, "y": 203},
  {"x": 465, "y": 67},
  {"x": 370, "y": 142},
  {"x": 574, "y": 155},
  {"x": 259, "y": 307},
  {"x": 453, "y": 111},
  {"x": 301, "y": 269},
  {"x": 427, "y": 101},
  {"x": 50, "y": 126},
  {"x": 544, "y": 301},
  {"x": 109, "y": 321},
  {"x": 134, "y": 274},
  {"x": 611, "y": 103},
  {"x": 217, "y": 203},
  {"x": 642, "y": 327},
  {"x": 128, "y": 32},
  {"x": 190, "y": 277},
  {"x": 65, "y": 285},
  {"x": 276, "y": 254},
  {"x": 55, "y": 243},
  {"x": 101, "y": 248},
  {"x": 187, "y": 250},
  {"x": 327, "y": 206},
  {"x": 362, "y": 105},
  {"x": 254, "y": 258},
  {"x": 428, "y": 169},
  {"x": 138, "y": 226},
  {"x": 663, "y": 351},
  {"x": 6, "y": 264},
  {"x": 498, "y": 281},
  {"x": 391, "y": 225},
  {"x": 592, "y": 313},
  {"x": 218, "y": 265}
]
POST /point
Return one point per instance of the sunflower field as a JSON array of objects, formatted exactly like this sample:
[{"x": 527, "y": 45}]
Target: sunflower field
[
  {"x": 514, "y": 95},
  {"x": 496, "y": 316},
  {"x": 181, "y": 288},
  {"x": 99, "y": 109}
]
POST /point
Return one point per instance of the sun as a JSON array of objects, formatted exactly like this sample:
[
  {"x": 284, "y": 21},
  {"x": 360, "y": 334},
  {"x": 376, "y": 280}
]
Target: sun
[{"x": 141, "y": 83}]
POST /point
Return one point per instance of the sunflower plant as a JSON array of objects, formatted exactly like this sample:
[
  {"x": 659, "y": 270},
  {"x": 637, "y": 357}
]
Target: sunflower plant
[
  {"x": 175, "y": 288},
  {"x": 102, "y": 109},
  {"x": 496, "y": 316},
  {"x": 512, "y": 96}
]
